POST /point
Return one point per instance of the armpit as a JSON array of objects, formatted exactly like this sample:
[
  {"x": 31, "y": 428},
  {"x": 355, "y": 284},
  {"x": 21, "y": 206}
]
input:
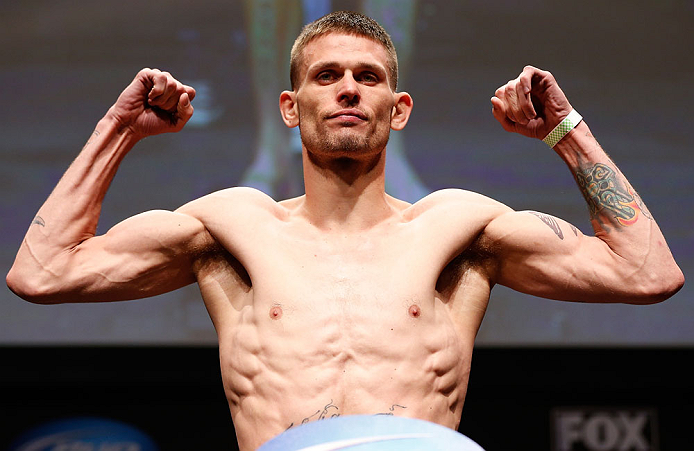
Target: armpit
[{"x": 477, "y": 257}]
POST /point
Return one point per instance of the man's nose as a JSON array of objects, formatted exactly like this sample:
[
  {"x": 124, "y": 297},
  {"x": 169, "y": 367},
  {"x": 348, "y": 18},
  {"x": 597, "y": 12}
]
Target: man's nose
[{"x": 348, "y": 89}]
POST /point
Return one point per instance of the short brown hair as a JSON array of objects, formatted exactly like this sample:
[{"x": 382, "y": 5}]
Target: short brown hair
[{"x": 347, "y": 22}]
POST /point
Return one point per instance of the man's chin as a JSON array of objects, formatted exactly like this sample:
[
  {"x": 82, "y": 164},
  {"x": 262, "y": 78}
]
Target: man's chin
[{"x": 345, "y": 142}]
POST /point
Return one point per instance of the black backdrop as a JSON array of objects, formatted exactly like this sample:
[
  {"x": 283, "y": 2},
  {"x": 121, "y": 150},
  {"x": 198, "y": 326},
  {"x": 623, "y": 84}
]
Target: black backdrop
[{"x": 175, "y": 395}]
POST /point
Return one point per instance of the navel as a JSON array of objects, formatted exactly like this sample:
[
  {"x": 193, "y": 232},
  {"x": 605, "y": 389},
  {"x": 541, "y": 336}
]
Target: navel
[
  {"x": 414, "y": 311},
  {"x": 275, "y": 312}
]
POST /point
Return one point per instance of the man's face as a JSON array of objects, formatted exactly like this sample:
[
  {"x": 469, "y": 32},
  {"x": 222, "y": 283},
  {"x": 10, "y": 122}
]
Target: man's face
[{"x": 344, "y": 98}]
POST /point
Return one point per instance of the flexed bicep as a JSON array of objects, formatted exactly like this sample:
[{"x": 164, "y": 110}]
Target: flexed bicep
[
  {"x": 145, "y": 255},
  {"x": 545, "y": 256}
]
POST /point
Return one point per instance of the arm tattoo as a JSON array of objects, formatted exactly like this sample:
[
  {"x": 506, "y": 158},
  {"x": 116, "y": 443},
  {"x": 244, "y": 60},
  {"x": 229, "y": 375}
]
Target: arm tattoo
[
  {"x": 642, "y": 206},
  {"x": 39, "y": 220},
  {"x": 604, "y": 192},
  {"x": 551, "y": 223},
  {"x": 89, "y": 141}
]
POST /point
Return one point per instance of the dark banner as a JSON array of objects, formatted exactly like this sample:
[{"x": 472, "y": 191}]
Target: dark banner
[{"x": 518, "y": 399}]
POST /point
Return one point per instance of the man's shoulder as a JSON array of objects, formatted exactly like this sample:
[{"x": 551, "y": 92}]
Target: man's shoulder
[
  {"x": 454, "y": 216},
  {"x": 453, "y": 199},
  {"x": 239, "y": 202}
]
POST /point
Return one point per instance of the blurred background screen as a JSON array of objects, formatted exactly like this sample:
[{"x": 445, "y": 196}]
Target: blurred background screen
[{"x": 625, "y": 66}]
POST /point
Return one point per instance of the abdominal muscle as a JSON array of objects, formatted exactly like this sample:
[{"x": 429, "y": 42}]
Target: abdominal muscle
[{"x": 289, "y": 363}]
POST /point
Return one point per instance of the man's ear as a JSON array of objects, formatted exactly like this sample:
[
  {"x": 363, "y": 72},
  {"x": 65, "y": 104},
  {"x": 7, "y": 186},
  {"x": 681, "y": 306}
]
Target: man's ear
[
  {"x": 289, "y": 108},
  {"x": 401, "y": 110}
]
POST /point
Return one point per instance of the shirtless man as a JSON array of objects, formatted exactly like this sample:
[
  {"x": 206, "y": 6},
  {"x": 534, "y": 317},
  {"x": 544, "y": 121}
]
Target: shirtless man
[{"x": 344, "y": 300}]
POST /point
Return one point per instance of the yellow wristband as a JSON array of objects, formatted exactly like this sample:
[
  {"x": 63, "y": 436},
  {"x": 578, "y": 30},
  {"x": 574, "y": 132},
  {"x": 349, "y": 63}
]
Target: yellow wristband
[{"x": 569, "y": 123}]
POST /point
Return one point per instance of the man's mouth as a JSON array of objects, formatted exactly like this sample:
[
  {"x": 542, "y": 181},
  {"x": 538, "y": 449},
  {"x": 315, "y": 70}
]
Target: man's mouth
[{"x": 349, "y": 115}]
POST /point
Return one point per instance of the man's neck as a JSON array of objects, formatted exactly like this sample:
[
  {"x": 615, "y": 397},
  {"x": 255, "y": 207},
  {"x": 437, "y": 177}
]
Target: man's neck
[{"x": 346, "y": 195}]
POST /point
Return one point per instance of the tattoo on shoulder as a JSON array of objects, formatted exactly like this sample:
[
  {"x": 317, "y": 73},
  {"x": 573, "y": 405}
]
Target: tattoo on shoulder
[
  {"x": 609, "y": 196},
  {"x": 39, "y": 220},
  {"x": 551, "y": 223}
]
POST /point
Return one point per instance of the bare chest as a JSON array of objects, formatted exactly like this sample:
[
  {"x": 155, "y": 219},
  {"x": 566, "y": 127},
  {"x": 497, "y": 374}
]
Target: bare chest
[
  {"x": 335, "y": 301},
  {"x": 310, "y": 280},
  {"x": 338, "y": 317},
  {"x": 345, "y": 275}
]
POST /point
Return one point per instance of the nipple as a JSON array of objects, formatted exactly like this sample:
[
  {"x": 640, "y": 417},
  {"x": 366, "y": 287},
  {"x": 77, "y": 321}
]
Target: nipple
[
  {"x": 276, "y": 312},
  {"x": 414, "y": 311}
]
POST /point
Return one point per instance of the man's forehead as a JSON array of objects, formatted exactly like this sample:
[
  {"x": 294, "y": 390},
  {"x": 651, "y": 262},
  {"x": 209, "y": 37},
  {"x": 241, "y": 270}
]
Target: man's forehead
[{"x": 333, "y": 48}]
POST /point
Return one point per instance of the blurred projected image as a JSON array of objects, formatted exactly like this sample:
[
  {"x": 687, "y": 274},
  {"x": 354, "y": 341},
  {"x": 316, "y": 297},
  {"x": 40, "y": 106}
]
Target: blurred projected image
[{"x": 64, "y": 72}]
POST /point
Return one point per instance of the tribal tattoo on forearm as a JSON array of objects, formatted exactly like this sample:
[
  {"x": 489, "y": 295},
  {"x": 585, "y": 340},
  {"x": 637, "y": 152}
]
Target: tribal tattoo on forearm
[{"x": 609, "y": 197}]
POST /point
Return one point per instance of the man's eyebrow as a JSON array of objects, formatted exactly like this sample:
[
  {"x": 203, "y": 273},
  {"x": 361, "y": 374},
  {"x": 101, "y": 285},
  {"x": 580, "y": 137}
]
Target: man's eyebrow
[
  {"x": 372, "y": 67},
  {"x": 362, "y": 65}
]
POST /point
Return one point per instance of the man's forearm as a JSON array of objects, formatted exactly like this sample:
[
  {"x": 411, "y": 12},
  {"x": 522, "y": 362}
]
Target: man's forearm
[
  {"x": 71, "y": 213},
  {"x": 618, "y": 215},
  {"x": 613, "y": 203}
]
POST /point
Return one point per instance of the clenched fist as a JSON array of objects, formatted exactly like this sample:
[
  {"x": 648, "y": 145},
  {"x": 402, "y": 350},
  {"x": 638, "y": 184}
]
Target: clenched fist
[
  {"x": 532, "y": 104},
  {"x": 153, "y": 103}
]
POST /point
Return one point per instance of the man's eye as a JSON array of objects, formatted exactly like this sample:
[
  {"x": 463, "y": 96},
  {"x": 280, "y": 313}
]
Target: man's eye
[
  {"x": 325, "y": 76},
  {"x": 368, "y": 77}
]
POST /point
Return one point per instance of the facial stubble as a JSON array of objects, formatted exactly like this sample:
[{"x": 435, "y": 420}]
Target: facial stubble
[{"x": 340, "y": 144}]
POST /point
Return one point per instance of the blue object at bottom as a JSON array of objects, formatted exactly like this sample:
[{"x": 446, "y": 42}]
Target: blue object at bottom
[{"x": 370, "y": 433}]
